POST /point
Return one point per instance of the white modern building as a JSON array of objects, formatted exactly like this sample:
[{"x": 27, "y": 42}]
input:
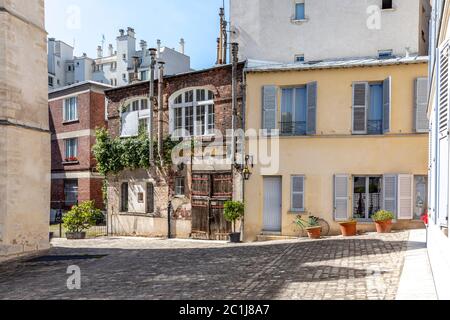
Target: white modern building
[
  {"x": 290, "y": 31},
  {"x": 113, "y": 66},
  {"x": 439, "y": 115}
]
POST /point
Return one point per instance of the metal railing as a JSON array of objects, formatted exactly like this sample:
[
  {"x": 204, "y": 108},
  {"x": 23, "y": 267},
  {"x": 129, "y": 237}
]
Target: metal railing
[
  {"x": 293, "y": 128},
  {"x": 375, "y": 126}
]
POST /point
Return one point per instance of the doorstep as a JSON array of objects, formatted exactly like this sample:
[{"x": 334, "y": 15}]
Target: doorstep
[{"x": 273, "y": 237}]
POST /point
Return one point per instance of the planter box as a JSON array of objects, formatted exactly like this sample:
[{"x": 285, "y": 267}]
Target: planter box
[{"x": 75, "y": 235}]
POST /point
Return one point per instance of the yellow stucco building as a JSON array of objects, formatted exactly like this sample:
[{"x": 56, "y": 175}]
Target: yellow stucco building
[{"x": 345, "y": 139}]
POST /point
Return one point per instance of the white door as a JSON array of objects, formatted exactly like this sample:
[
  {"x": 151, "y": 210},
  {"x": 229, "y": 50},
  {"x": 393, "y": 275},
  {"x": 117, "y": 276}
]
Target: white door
[{"x": 272, "y": 204}]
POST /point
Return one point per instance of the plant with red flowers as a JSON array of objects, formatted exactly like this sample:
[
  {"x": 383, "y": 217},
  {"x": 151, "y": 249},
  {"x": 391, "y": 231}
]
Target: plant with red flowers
[{"x": 71, "y": 159}]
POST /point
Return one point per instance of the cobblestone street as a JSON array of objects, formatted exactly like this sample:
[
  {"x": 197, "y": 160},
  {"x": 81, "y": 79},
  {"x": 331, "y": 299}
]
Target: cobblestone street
[{"x": 365, "y": 267}]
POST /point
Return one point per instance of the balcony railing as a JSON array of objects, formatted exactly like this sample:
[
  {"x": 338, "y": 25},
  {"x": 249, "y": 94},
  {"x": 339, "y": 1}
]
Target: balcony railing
[
  {"x": 293, "y": 128},
  {"x": 375, "y": 127}
]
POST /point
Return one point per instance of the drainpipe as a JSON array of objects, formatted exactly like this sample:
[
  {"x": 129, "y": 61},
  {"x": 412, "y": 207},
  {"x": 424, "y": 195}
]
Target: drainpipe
[
  {"x": 152, "y": 99},
  {"x": 225, "y": 40},
  {"x": 234, "y": 54},
  {"x": 160, "y": 109},
  {"x": 244, "y": 125}
]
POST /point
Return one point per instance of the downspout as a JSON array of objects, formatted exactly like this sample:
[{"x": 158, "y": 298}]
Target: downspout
[
  {"x": 152, "y": 101},
  {"x": 234, "y": 53},
  {"x": 244, "y": 149},
  {"x": 160, "y": 111}
]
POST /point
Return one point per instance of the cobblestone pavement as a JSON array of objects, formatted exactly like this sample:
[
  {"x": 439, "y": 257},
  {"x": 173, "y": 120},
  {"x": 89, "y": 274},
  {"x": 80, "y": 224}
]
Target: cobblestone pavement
[{"x": 364, "y": 267}]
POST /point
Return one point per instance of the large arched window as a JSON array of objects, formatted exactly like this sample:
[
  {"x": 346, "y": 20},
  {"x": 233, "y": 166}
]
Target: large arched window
[
  {"x": 135, "y": 117},
  {"x": 192, "y": 113}
]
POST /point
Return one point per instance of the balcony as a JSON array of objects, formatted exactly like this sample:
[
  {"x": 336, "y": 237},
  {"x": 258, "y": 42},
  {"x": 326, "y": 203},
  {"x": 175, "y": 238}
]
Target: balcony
[{"x": 297, "y": 128}]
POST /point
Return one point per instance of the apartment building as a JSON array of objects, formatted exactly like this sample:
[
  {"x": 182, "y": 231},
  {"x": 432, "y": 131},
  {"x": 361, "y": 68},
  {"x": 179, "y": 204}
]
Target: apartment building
[
  {"x": 337, "y": 140},
  {"x": 24, "y": 130},
  {"x": 113, "y": 66},
  {"x": 438, "y": 113},
  {"x": 287, "y": 31},
  {"x": 75, "y": 113}
]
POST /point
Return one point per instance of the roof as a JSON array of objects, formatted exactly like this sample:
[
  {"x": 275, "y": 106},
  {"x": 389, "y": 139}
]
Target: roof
[
  {"x": 78, "y": 85},
  {"x": 258, "y": 66}
]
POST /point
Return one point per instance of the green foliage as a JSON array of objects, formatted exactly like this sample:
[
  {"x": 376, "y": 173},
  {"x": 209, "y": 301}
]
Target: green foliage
[
  {"x": 116, "y": 155},
  {"x": 382, "y": 216},
  {"x": 234, "y": 211},
  {"x": 82, "y": 217},
  {"x": 305, "y": 224}
]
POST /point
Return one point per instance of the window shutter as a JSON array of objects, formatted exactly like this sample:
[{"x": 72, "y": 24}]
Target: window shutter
[
  {"x": 269, "y": 108},
  {"x": 387, "y": 105},
  {"x": 421, "y": 101},
  {"x": 130, "y": 124},
  {"x": 311, "y": 103},
  {"x": 124, "y": 197},
  {"x": 341, "y": 197},
  {"x": 360, "y": 102},
  {"x": 150, "y": 198},
  {"x": 405, "y": 197},
  {"x": 390, "y": 193},
  {"x": 298, "y": 193},
  {"x": 443, "y": 90}
]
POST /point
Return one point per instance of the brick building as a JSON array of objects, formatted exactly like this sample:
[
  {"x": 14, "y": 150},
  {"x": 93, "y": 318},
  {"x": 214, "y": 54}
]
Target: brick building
[
  {"x": 75, "y": 112},
  {"x": 199, "y": 102}
]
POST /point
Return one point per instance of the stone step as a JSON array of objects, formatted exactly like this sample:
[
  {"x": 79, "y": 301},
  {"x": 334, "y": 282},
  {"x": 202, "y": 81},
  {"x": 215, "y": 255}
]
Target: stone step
[{"x": 268, "y": 237}]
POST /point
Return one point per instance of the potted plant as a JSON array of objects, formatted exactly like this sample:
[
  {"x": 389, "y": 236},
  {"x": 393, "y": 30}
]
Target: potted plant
[
  {"x": 79, "y": 219},
  {"x": 311, "y": 226},
  {"x": 348, "y": 228},
  {"x": 233, "y": 212},
  {"x": 383, "y": 221}
]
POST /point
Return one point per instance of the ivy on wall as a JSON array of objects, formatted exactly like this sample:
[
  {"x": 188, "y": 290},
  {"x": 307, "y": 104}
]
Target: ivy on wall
[{"x": 114, "y": 155}]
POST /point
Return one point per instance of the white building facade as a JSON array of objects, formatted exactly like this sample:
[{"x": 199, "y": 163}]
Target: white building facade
[
  {"x": 288, "y": 31},
  {"x": 113, "y": 66}
]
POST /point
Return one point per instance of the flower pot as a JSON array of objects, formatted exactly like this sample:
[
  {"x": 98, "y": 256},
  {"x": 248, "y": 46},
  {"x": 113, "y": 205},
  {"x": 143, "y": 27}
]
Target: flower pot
[
  {"x": 235, "y": 237},
  {"x": 314, "y": 233},
  {"x": 384, "y": 226},
  {"x": 75, "y": 235},
  {"x": 348, "y": 229}
]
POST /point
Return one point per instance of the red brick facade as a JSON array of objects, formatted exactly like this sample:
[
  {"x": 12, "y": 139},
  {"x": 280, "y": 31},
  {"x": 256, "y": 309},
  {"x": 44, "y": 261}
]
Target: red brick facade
[{"x": 90, "y": 116}]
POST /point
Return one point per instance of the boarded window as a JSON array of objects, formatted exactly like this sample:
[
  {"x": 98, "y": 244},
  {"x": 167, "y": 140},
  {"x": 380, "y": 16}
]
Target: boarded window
[{"x": 150, "y": 198}]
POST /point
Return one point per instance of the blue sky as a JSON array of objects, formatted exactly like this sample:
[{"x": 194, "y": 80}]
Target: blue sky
[{"x": 85, "y": 21}]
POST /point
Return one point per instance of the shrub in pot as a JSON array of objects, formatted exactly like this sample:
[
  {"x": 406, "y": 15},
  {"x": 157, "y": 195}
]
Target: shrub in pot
[
  {"x": 383, "y": 221},
  {"x": 311, "y": 226},
  {"x": 233, "y": 212},
  {"x": 348, "y": 228},
  {"x": 79, "y": 219}
]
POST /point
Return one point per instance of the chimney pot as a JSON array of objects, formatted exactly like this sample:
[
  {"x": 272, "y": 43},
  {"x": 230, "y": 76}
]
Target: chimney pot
[
  {"x": 182, "y": 45},
  {"x": 99, "y": 52},
  {"x": 111, "y": 50},
  {"x": 122, "y": 32}
]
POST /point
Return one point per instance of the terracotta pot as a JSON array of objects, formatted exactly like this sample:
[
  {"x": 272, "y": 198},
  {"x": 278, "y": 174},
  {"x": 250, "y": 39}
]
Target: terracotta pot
[
  {"x": 314, "y": 233},
  {"x": 384, "y": 226},
  {"x": 348, "y": 229}
]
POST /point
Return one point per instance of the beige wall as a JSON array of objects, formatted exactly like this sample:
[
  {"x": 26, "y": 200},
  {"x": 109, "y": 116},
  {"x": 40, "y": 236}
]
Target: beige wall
[
  {"x": 334, "y": 150},
  {"x": 24, "y": 136}
]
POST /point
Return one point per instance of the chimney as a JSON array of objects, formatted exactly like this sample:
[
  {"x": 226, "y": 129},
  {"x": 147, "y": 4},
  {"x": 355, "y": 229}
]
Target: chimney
[
  {"x": 158, "y": 48},
  {"x": 130, "y": 32},
  {"x": 121, "y": 32},
  {"x": 136, "y": 69},
  {"x": 111, "y": 50},
  {"x": 218, "y": 52},
  {"x": 99, "y": 52},
  {"x": 143, "y": 45},
  {"x": 84, "y": 55},
  {"x": 182, "y": 43}
]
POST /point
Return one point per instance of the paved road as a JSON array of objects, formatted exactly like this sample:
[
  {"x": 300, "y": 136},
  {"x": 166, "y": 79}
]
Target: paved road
[{"x": 365, "y": 267}]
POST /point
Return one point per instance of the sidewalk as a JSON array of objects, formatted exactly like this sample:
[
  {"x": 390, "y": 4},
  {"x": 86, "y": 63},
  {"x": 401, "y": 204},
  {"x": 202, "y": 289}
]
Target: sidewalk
[{"x": 416, "y": 282}]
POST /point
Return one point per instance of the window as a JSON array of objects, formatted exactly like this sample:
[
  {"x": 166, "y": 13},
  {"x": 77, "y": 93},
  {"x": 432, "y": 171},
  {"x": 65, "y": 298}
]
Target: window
[
  {"x": 300, "y": 11},
  {"x": 150, "y": 198},
  {"x": 179, "y": 186},
  {"x": 50, "y": 81},
  {"x": 293, "y": 111},
  {"x": 124, "y": 56},
  {"x": 144, "y": 75},
  {"x": 58, "y": 82},
  {"x": 385, "y": 54},
  {"x": 124, "y": 197},
  {"x": 299, "y": 58},
  {"x": 367, "y": 197},
  {"x": 193, "y": 113},
  {"x": 135, "y": 118},
  {"x": 71, "y": 192},
  {"x": 144, "y": 125},
  {"x": 70, "y": 109},
  {"x": 124, "y": 76},
  {"x": 71, "y": 151},
  {"x": 113, "y": 66},
  {"x": 387, "y": 4},
  {"x": 298, "y": 194},
  {"x": 140, "y": 197}
]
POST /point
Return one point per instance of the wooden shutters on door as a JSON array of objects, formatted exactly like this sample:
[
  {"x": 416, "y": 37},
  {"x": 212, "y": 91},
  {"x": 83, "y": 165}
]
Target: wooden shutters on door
[
  {"x": 269, "y": 108},
  {"x": 360, "y": 104},
  {"x": 311, "y": 105},
  {"x": 405, "y": 197},
  {"x": 341, "y": 202},
  {"x": 421, "y": 105},
  {"x": 387, "y": 91}
]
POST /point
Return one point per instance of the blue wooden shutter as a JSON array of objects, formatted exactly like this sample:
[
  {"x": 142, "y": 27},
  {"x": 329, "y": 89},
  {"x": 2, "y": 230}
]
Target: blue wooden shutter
[
  {"x": 421, "y": 105},
  {"x": 390, "y": 193},
  {"x": 311, "y": 105},
  {"x": 269, "y": 108},
  {"x": 387, "y": 105},
  {"x": 360, "y": 103},
  {"x": 341, "y": 202}
]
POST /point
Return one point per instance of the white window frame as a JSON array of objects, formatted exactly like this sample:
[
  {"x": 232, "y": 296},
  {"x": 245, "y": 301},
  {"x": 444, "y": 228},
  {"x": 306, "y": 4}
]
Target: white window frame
[
  {"x": 67, "y": 104},
  {"x": 143, "y": 114},
  {"x": 209, "y": 110},
  {"x": 297, "y": 192},
  {"x": 178, "y": 187}
]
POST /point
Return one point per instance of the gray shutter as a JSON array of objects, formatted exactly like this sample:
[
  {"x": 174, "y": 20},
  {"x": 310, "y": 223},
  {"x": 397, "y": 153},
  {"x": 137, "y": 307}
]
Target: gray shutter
[
  {"x": 387, "y": 105},
  {"x": 405, "y": 197},
  {"x": 269, "y": 108},
  {"x": 390, "y": 193},
  {"x": 311, "y": 104},
  {"x": 298, "y": 193},
  {"x": 421, "y": 105},
  {"x": 341, "y": 197},
  {"x": 360, "y": 103},
  {"x": 443, "y": 88}
]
